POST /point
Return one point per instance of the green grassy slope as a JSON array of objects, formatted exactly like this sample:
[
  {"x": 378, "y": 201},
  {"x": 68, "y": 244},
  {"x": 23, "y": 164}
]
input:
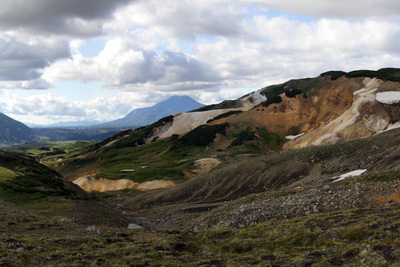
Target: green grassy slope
[
  {"x": 166, "y": 158},
  {"x": 23, "y": 178}
]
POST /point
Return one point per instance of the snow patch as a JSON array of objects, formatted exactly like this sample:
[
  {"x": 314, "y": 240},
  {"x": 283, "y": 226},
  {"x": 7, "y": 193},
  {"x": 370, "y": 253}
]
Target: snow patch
[
  {"x": 291, "y": 137},
  {"x": 257, "y": 97},
  {"x": 185, "y": 122},
  {"x": 390, "y": 127},
  {"x": 128, "y": 170},
  {"x": 390, "y": 97},
  {"x": 347, "y": 175}
]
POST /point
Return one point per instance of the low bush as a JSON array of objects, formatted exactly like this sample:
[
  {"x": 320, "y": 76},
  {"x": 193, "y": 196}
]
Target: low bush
[
  {"x": 202, "y": 135},
  {"x": 245, "y": 135}
]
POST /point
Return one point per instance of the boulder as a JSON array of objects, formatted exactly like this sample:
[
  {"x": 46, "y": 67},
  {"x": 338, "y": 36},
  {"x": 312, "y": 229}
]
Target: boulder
[{"x": 134, "y": 226}]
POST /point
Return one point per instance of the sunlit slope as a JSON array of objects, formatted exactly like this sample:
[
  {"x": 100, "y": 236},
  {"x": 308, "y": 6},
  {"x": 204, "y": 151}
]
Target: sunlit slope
[{"x": 332, "y": 108}]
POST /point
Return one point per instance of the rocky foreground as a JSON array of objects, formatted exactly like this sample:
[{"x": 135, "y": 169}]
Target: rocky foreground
[{"x": 338, "y": 225}]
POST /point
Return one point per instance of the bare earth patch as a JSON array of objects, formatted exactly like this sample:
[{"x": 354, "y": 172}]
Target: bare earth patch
[{"x": 90, "y": 183}]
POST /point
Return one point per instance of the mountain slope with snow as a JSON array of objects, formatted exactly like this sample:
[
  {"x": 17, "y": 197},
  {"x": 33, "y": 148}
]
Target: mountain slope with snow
[{"x": 325, "y": 110}]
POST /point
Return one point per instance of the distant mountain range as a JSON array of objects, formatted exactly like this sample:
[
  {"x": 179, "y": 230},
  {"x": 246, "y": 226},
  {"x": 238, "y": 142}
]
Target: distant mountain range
[
  {"x": 145, "y": 116},
  {"x": 66, "y": 124},
  {"x": 13, "y": 132}
]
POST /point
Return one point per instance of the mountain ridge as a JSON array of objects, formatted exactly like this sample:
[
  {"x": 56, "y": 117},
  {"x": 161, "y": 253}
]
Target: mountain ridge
[
  {"x": 13, "y": 131},
  {"x": 144, "y": 116}
]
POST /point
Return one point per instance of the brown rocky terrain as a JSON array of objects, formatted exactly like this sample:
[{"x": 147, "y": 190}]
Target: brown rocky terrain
[
  {"x": 304, "y": 176},
  {"x": 325, "y": 101}
]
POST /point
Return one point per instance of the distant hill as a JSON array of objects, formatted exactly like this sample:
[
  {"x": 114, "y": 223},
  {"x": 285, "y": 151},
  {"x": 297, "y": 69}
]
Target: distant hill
[
  {"x": 76, "y": 133},
  {"x": 13, "y": 132},
  {"x": 149, "y": 115}
]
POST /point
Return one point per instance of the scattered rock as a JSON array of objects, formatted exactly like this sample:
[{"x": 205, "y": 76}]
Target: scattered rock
[
  {"x": 134, "y": 226},
  {"x": 241, "y": 213},
  {"x": 93, "y": 228}
]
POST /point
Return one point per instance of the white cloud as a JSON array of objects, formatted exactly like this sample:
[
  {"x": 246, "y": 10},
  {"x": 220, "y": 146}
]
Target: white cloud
[
  {"x": 181, "y": 18},
  {"x": 215, "y": 97},
  {"x": 39, "y": 105},
  {"x": 123, "y": 63},
  {"x": 264, "y": 50},
  {"x": 230, "y": 47},
  {"x": 356, "y": 9},
  {"x": 45, "y": 108}
]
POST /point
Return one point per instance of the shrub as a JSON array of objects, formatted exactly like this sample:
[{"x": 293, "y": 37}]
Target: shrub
[
  {"x": 245, "y": 135},
  {"x": 272, "y": 140},
  {"x": 223, "y": 105},
  {"x": 334, "y": 74},
  {"x": 202, "y": 135},
  {"x": 290, "y": 88},
  {"x": 385, "y": 74}
]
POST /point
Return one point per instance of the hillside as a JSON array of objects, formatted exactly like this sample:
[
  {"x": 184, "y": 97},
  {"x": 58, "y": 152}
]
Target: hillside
[
  {"x": 15, "y": 132},
  {"x": 302, "y": 173},
  {"x": 149, "y": 115},
  {"x": 306, "y": 218},
  {"x": 263, "y": 187},
  {"x": 33, "y": 192},
  {"x": 332, "y": 108}
]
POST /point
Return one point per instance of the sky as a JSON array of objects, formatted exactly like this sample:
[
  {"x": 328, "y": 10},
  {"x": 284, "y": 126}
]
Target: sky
[{"x": 77, "y": 60}]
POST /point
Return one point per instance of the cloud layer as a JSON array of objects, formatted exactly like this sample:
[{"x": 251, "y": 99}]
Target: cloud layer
[
  {"x": 208, "y": 49},
  {"x": 57, "y": 17}
]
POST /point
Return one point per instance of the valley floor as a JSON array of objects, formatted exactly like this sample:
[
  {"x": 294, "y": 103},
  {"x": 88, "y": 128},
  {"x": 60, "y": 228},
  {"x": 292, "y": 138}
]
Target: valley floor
[{"x": 365, "y": 234}]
